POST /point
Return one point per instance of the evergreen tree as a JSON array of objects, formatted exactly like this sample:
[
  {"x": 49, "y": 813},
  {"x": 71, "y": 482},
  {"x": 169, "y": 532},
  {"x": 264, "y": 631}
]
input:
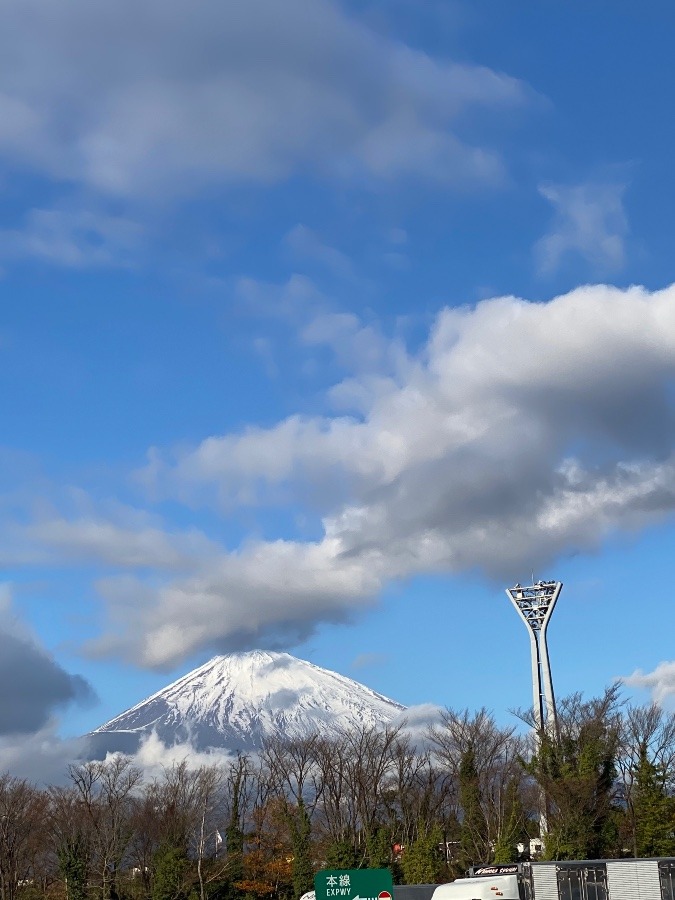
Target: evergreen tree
[
  {"x": 472, "y": 837},
  {"x": 654, "y": 812},
  {"x": 301, "y": 840},
  {"x": 577, "y": 773},
  {"x": 341, "y": 854},
  {"x": 511, "y": 831},
  {"x": 170, "y": 868},
  {"x": 421, "y": 862},
  {"x": 378, "y": 848},
  {"x": 73, "y": 866}
]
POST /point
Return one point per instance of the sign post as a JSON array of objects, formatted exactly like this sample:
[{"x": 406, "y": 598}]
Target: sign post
[{"x": 354, "y": 884}]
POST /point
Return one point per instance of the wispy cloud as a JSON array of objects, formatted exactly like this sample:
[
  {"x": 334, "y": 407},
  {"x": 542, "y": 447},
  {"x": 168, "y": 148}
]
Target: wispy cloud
[
  {"x": 660, "y": 682},
  {"x": 368, "y": 660},
  {"x": 72, "y": 238},
  {"x": 306, "y": 245},
  {"x": 295, "y": 300},
  {"x": 245, "y": 91},
  {"x": 589, "y": 222}
]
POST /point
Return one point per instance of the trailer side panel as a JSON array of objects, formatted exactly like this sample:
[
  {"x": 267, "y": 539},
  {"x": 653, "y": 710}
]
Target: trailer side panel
[
  {"x": 545, "y": 879},
  {"x": 634, "y": 879}
]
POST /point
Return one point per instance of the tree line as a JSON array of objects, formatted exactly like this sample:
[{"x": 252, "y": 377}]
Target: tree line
[{"x": 260, "y": 826}]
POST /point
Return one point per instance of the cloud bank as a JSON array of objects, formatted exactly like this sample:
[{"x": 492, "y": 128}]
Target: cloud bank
[{"x": 517, "y": 433}]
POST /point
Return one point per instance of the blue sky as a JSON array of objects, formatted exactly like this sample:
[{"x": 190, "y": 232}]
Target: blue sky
[{"x": 323, "y": 323}]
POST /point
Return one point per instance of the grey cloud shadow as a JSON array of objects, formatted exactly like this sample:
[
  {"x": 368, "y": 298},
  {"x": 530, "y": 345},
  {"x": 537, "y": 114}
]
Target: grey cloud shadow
[{"x": 33, "y": 686}]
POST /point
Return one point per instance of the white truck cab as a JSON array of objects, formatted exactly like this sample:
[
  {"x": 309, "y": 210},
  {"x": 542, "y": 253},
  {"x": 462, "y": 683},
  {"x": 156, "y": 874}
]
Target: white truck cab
[{"x": 504, "y": 887}]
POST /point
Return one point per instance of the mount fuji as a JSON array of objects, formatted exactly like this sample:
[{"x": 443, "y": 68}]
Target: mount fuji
[{"x": 238, "y": 701}]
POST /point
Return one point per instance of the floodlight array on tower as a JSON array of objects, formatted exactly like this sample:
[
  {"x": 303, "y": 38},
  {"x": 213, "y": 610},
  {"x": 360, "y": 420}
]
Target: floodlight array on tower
[{"x": 535, "y": 604}]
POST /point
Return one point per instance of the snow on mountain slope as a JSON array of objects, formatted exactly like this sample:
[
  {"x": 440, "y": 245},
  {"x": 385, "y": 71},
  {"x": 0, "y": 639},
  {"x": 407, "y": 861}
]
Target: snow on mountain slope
[{"x": 236, "y": 701}]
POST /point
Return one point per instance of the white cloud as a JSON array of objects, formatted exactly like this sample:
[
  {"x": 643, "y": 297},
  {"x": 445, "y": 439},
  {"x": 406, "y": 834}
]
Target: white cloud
[
  {"x": 356, "y": 346},
  {"x": 153, "y": 757},
  {"x": 459, "y": 460},
  {"x": 267, "y": 593},
  {"x": 589, "y": 222},
  {"x": 417, "y": 720},
  {"x": 5, "y": 601},
  {"x": 660, "y": 682},
  {"x": 508, "y": 379},
  {"x": 147, "y": 97}
]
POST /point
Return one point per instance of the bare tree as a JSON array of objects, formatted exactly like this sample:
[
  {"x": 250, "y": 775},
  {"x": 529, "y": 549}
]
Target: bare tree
[
  {"x": 22, "y": 810},
  {"x": 146, "y": 826},
  {"x": 358, "y": 766},
  {"x": 176, "y": 796},
  {"x": 370, "y": 754},
  {"x": 210, "y": 798},
  {"x": 71, "y": 836},
  {"x": 483, "y": 760},
  {"x": 106, "y": 792},
  {"x": 421, "y": 795},
  {"x": 339, "y": 818},
  {"x": 292, "y": 764},
  {"x": 266, "y": 861}
]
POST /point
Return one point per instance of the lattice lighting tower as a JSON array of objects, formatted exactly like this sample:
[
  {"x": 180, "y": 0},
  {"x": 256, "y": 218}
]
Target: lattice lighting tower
[{"x": 535, "y": 604}]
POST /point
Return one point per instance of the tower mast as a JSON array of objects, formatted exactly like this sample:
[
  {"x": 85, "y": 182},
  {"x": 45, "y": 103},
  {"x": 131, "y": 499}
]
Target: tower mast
[{"x": 535, "y": 605}]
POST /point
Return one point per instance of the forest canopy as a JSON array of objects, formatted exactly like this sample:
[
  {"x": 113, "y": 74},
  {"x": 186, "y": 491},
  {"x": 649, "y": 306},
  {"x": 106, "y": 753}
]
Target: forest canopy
[{"x": 260, "y": 826}]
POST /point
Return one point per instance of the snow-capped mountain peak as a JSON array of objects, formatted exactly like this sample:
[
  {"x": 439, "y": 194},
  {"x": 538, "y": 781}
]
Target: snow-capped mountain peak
[{"x": 236, "y": 701}]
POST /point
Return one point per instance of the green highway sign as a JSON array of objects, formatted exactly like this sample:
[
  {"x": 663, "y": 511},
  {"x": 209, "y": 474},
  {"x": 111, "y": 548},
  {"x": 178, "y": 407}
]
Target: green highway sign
[{"x": 354, "y": 884}]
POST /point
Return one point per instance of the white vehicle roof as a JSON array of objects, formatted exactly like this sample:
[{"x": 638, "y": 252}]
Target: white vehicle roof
[{"x": 489, "y": 887}]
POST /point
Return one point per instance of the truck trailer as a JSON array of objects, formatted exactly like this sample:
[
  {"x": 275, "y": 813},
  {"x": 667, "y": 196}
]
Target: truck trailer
[{"x": 594, "y": 879}]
